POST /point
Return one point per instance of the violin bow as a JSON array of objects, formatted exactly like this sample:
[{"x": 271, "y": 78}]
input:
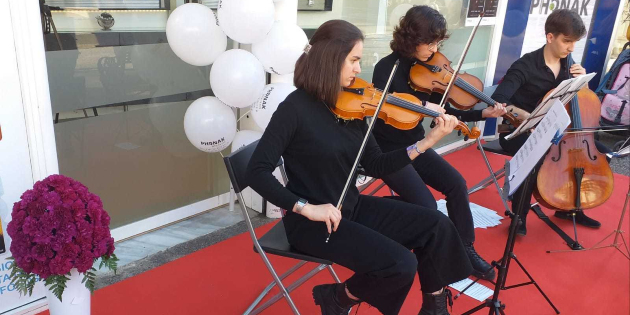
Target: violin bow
[
  {"x": 597, "y": 129},
  {"x": 365, "y": 139},
  {"x": 461, "y": 60}
]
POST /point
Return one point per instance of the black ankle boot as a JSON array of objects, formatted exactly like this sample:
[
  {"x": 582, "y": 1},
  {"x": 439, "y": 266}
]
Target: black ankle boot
[
  {"x": 436, "y": 304},
  {"x": 481, "y": 268},
  {"x": 580, "y": 218},
  {"x": 332, "y": 299}
]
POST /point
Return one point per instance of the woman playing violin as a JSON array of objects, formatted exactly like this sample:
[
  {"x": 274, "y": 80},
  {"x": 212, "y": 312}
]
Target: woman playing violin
[
  {"x": 417, "y": 38},
  {"x": 531, "y": 77},
  {"x": 385, "y": 242}
]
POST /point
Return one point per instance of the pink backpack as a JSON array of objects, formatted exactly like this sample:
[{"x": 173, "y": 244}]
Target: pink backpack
[{"x": 616, "y": 106}]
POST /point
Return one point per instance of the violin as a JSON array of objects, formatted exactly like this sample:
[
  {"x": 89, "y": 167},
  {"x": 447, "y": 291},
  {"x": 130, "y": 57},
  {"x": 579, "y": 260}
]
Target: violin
[
  {"x": 575, "y": 175},
  {"x": 434, "y": 75},
  {"x": 400, "y": 110}
]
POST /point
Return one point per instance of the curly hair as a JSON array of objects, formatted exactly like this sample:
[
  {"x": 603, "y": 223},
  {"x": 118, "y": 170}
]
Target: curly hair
[{"x": 420, "y": 25}]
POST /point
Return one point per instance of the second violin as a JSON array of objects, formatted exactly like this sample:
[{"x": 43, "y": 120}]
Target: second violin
[
  {"x": 400, "y": 110},
  {"x": 434, "y": 76}
]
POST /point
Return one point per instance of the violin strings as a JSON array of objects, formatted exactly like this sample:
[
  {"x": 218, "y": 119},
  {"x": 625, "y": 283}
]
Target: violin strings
[
  {"x": 465, "y": 85},
  {"x": 410, "y": 105}
]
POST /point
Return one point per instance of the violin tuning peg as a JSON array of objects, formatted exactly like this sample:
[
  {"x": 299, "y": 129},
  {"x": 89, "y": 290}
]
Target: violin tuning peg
[
  {"x": 459, "y": 133},
  {"x": 466, "y": 138}
]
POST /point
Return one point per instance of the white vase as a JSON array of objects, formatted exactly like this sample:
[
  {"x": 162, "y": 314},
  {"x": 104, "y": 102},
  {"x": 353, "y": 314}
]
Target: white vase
[{"x": 75, "y": 298}]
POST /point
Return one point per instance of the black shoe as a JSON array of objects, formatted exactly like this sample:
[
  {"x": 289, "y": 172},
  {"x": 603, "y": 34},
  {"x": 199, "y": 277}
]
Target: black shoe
[
  {"x": 580, "y": 218},
  {"x": 521, "y": 227},
  {"x": 325, "y": 296},
  {"x": 436, "y": 304},
  {"x": 481, "y": 268}
]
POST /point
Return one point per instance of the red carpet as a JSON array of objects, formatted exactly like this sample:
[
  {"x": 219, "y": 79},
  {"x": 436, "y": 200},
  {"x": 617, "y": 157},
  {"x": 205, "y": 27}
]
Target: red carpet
[{"x": 226, "y": 277}]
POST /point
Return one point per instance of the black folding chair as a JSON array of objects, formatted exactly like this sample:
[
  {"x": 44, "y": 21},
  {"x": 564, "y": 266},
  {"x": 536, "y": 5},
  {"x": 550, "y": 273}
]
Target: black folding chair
[{"x": 273, "y": 242}]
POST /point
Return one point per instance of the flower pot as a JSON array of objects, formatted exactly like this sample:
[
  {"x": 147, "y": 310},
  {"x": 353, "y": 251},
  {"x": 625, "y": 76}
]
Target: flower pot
[{"x": 75, "y": 298}]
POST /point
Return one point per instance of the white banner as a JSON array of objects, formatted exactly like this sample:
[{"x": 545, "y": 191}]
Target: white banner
[{"x": 538, "y": 13}]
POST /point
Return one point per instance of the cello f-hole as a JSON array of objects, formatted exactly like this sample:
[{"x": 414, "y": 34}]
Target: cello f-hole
[
  {"x": 556, "y": 159},
  {"x": 588, "y": 151}
]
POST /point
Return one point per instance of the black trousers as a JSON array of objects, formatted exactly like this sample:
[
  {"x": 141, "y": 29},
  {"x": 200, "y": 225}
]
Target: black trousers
[
  {"x": 375, "y": 240},
  {"x": 511, "y": 147},
  {"x": 431, "y": 169}
]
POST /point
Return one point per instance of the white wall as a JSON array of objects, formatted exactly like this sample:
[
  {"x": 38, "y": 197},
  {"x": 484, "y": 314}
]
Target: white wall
[{"x": 15, "y": 168}]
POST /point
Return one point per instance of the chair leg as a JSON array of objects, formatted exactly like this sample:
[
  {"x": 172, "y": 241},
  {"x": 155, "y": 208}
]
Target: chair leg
[
  {"x": 273, "y": 284},
  {"x": 333, "y": 273},
  {"x": 283, "y": 290},
  {"x": 487, "y": 181},
  {"x": 493, "y": 176},
  {"x": 375, "y": 190},
  {"x": 289, "y": 289},
  {"x": 366, "y": 185}
]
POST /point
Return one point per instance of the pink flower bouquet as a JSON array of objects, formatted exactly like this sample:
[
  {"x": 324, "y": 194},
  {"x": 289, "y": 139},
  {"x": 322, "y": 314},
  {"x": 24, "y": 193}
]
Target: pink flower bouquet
[{"x": 56, "y": 226}]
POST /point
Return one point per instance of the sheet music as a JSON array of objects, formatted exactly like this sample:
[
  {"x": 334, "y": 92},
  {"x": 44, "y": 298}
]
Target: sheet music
[
  {"x": 482, "y": 216},
  {"x": 555, "y": 121},
  {"x": 566, "y": 90},
  {"x": 477, "y": 291}
]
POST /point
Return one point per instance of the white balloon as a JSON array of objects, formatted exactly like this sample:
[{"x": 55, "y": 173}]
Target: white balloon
[
  {"x": 281, "y": 48},
  {"x": 245, "y": 137},
  {"x": 246, "y": 21},
  {"x": 271, "y": 97},
  {"x": 209, "y": 124},
  {"x": 237, "y": 78},
  {"x": 194, "y": 34}
]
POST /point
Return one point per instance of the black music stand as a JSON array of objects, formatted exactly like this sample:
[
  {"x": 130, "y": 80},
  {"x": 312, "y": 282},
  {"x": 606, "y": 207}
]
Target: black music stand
[
  {"x": 503, "y": 265},
  {"x": 554, "y": 121}
]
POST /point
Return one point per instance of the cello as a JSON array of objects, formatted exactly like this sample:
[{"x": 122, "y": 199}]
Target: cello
[{"x": 575, "y": 175}]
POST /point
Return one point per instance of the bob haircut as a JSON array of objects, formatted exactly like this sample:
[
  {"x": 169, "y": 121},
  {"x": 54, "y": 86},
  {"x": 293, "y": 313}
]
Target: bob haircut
[{"x": 318, "y": 70}]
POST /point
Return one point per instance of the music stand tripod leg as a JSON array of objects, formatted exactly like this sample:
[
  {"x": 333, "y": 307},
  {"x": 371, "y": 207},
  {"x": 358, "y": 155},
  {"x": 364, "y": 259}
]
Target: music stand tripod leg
[
  {"x": 495, "y": 305},
  {"x": 618, "y": 234},
  {"x": 532, "y": 281}
]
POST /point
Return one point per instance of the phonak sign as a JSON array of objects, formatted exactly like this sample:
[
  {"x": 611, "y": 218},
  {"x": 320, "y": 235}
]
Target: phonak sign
[{"x": 538, "y": 13}]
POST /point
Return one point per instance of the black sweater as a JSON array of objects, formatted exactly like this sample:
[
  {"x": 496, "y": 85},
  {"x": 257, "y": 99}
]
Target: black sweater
[
  {"x": 318, "y": 153},
  {"x": 390, "y": 138}
]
